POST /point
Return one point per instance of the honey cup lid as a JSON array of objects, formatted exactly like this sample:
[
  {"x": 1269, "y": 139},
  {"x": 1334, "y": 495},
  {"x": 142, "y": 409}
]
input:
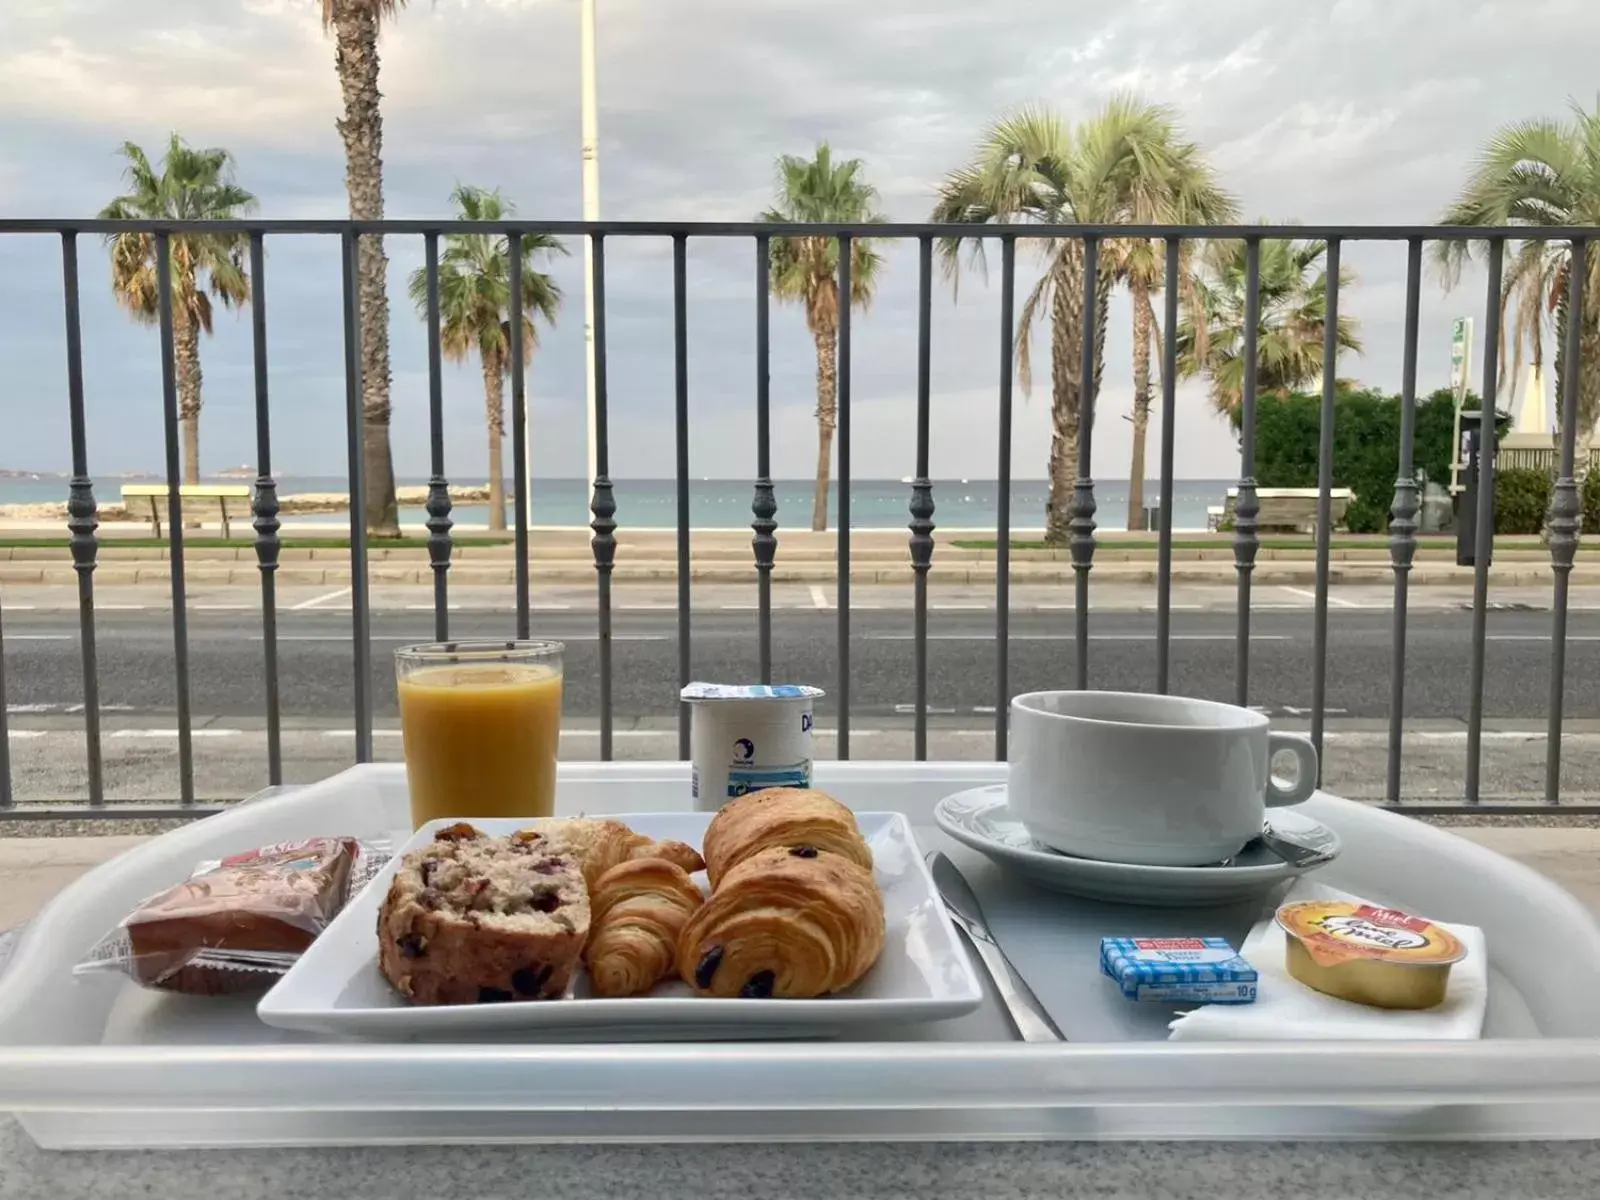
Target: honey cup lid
[{"x": 1337, "y": 931}]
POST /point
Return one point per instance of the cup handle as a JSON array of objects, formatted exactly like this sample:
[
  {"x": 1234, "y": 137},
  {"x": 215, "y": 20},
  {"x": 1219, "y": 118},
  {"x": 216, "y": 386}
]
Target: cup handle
[{"x": 1305, "y": 777}]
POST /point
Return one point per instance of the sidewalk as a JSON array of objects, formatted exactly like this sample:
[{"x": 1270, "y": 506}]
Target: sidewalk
[{"x": 35, "y": 869}]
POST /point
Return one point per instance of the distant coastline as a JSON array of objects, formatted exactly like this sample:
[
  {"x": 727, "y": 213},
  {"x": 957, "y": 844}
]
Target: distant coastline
[{"x": 311, "y": 500}]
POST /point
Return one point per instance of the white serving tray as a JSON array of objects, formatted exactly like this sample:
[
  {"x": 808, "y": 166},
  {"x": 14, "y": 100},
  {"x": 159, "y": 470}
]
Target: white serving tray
[
  {"x": 923, "y": 974},
  {"x": 100, "y": 1063}
]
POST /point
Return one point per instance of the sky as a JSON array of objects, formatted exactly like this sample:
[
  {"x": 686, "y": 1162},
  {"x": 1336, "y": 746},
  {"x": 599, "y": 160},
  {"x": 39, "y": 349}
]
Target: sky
[{"x": 1356, "y": 111}]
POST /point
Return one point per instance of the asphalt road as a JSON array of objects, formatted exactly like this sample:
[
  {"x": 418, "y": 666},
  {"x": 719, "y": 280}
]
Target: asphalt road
[{"x": 44, "y": 668}]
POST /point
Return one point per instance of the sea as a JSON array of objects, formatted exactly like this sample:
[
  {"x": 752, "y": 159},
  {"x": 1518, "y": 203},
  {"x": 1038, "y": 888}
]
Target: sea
[{"x": 723, "y": 503}]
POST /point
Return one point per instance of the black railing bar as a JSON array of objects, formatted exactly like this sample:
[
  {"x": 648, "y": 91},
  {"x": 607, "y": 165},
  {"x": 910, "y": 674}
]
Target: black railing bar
[
  {"x": 1403, "y": 519},
  {"x": 1081, "y": 524},
  {"x": 1566, "y": 512},
  {"x": 438, "y": 507},
  {"x": 833, "y": 229},
  {"x": 680, "y": 421},
  {"x": 764, "y": 505},
  {"x": 519, "y": 434},
  {"x": 1330, "y": 379},
  {"x": 82, "y": 520},
  {"x": 1247, "y": 507},
  {"x": 1002, "y": 545},
  {"x": 113, "y": 812},
  {"x": 1485, "y": 517},
  {"x": 355, "y": 421},
  {"x": 842, "y": 542},
  {"x": 180, "y": 605},
  {"x": 602, "y": 505},
  {"x": 922, "y": 501},
  {"x": 1169, "y": 409},
  {"x": 264, "y": 509}
]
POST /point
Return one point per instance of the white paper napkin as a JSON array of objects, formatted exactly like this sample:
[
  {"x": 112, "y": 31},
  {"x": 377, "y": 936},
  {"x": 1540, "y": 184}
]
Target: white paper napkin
[{"x": 1287, "y": 1010}]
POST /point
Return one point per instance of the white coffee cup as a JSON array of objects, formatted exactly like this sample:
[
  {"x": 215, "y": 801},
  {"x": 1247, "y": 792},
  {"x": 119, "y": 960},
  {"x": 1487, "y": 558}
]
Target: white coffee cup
[{"x": 1136, "y": 778}]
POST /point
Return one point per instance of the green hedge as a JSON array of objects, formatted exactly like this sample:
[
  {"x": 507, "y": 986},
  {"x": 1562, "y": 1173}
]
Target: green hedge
[
  {"x": 1521, "y": 500},
  {"x": 1591, "y": 501},
  {"x": 1366, "y": 446}
]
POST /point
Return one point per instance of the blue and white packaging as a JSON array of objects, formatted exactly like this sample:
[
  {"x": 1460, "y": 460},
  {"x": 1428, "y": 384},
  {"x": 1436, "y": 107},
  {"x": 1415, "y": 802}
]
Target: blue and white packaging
[
  {"x": 1181, "y": 970},
  {"x": 745, "y": 737}
]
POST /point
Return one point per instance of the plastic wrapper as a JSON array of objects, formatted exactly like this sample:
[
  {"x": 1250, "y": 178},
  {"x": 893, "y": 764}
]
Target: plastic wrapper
[{"x": 237, "y": 924}]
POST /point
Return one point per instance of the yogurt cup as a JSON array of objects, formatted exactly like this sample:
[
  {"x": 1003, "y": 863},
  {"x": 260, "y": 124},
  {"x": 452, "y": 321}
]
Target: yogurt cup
[{"x": 745, "y": 737}]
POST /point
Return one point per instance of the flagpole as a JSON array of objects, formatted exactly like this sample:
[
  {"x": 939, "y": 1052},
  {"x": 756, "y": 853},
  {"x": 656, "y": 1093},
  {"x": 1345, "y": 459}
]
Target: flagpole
[{"x": 591, "y": 206}]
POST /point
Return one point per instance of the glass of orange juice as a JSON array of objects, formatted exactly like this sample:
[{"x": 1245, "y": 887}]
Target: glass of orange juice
[{"x": 481, "y": 723}]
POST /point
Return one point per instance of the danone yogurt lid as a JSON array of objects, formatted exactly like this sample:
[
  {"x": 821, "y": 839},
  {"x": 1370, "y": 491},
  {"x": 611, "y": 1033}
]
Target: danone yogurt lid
[
  {"x": 1338, "y": 931},
  {"x": 749, "y": 691}
]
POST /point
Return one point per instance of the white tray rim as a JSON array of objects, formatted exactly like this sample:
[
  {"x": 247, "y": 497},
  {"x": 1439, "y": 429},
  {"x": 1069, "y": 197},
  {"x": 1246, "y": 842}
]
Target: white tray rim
[{"x": 1011, "y": 1084}]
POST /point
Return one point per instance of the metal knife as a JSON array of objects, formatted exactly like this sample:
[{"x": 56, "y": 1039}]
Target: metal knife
[{"x": 1033, "y": 1024}]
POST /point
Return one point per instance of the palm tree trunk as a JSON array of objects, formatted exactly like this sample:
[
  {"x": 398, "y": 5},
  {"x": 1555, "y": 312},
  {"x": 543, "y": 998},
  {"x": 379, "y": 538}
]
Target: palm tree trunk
[
  {"x": 494, "y": 406},
  {"x": 1141, "y": 400},
  {"x": 1066, "y": 359},
  {"x": 827, "y": 419},
  {"x": 356, "y": 39},
  {"x": 186, "y": 356}
]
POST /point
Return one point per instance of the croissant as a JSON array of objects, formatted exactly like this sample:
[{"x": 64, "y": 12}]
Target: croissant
[
  {"x": 638, "y": 909},
  {"x": 781, "y": 817},
  {"x": 599, "y": 845},
  {"x": 796, "y": 922}
]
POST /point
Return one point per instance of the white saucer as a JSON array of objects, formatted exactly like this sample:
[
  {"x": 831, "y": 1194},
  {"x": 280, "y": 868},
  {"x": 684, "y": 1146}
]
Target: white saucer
[{"x": 980, "y": 818}]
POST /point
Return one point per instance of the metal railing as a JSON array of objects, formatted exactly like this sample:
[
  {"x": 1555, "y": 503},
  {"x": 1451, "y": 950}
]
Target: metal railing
[{"x": 83, "y": 522}]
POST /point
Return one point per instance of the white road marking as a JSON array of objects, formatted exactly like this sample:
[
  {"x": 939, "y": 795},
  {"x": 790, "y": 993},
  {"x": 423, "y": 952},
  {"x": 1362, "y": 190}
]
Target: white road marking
[
  {"x": 1068, "y": 637},
  {"x": 38, "y": 637},
  {"x": 819, "y": 598},
  {"x": 1301, "y": 592},
  {"x": 21, "y": 607},
  {"x": 120, "y": 607},
  {"x": 1541, "y": 637},
  {"x": 1496, "y": 735},
  {"x": 389, "y": 637},
  {"x": 173, "y": 733},
  {"x": 25, "y": 733},
  {"x": 316, "y": 600}
]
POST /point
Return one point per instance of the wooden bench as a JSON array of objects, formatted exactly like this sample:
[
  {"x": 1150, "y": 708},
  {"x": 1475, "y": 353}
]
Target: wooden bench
[
  {"x": 151, "y": 499},
  {"x": 1291, "y": 510}
]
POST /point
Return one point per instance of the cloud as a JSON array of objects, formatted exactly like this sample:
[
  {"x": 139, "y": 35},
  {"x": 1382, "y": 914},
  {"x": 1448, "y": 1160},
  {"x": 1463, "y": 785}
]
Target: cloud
[{"x": 1354, "y": 112}]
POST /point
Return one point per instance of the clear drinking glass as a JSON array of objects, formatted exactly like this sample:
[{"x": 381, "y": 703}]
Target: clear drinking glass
[{"x": 481, "y": 722}]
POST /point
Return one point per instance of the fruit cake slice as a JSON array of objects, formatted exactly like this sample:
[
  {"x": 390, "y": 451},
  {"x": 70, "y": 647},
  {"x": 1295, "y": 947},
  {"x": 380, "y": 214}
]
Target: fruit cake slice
[{"x": 473, "y": 919}]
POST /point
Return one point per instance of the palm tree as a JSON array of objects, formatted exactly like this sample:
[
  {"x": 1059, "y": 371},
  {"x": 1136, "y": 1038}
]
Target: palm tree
[
  {"x": 191, "y": 185},
  {"x": 1034, "y": 167},
  {"x": 475, "y": 310},
  {"x": 1540, "y": 172},
  {"x": 355, "y": 30},
  {"x": 806, "y": 271},
  {"x": 1290, "y": 333},
  {"x": 1168, "y": 182}
]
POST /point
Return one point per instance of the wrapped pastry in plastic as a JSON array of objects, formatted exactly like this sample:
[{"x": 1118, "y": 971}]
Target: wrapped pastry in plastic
[{"x": 239, "y": 923}]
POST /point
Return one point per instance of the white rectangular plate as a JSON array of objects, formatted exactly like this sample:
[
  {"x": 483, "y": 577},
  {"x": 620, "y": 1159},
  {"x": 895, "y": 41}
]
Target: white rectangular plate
[{"x": 923, "y": 975}]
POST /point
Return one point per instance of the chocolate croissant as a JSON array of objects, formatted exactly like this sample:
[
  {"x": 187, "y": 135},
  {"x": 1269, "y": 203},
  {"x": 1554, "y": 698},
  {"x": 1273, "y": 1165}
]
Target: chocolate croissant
[
  {"x": 781, "y": 817},
  {"x": 600, "y": 844},
  {"x": 795, "y": 922},
  {"x": 638, "y": 909}
]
